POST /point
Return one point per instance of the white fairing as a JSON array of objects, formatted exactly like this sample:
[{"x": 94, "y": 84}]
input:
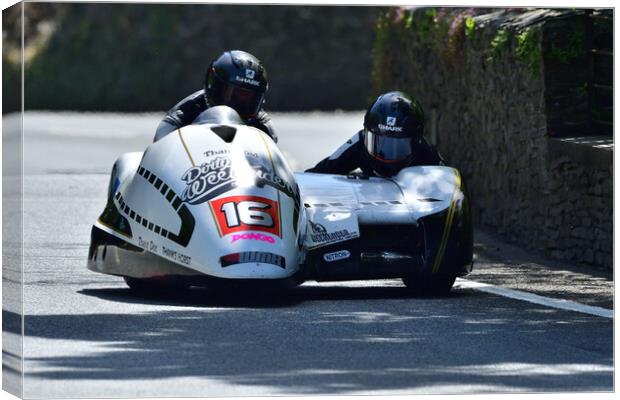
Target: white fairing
[{"x": 207, "y": 201}]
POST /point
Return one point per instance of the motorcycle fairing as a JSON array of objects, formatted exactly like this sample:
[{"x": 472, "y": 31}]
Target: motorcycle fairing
[
  {"x": 178, "y": 193},
  {"x": 416, "y": 222},
  {"x": 205, "y": 201}
]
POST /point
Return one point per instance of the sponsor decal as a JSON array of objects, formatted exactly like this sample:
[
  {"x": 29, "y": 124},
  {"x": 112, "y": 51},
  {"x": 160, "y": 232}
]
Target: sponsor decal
[
  {"x": 334, "y": 226},
  {"x": 390, "y": 125},
  {"x": 217, "y": 176},
  {"x": 249, "y": 78},
  {"x": 332, "y": 237},
  {"x": 269, "y": 178},
  {"x": 246, "y": 213},
  {"x": 320, "y": 235},
  {"x": 317, "y": 228},
  {"x": 336, "y": 256},
  {"x": 266, "y": 176},
  {"x": 253, "y": 236},
  {"x": 252, "y": 257},
  {"x": 147, "y": 245},
  {"x": 211, "y": 153},
  {"x": 208, "y": 180},
  {"x": 176, "y": 256},
  {"x": 391, "y": 128}
]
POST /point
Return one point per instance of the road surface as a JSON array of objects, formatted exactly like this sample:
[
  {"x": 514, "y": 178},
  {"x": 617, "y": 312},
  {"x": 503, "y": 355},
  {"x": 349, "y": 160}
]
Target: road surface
[{"x": 87, "y": 335}]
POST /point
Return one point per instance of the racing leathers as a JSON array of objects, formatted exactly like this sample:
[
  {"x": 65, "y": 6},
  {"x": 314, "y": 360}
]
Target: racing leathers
[
  {"x": 190, "y": 107},
  {"x": 353, "y": 155}
]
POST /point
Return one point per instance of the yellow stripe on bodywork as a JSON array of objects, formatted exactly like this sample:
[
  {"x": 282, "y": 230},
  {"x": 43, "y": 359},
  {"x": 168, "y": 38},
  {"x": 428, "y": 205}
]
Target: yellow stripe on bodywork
[
  {"x": 186, "y": 149},
  {"x": 273, "y": 165},
  {"x": 448, "y": 224},
  {"x": 114, "y": 229}
]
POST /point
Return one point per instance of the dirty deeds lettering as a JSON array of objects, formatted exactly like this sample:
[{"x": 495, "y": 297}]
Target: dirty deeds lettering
[{"x": 208, "y": 180}]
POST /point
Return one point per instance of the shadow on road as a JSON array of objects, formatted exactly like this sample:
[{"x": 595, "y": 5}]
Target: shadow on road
[
  {"x": 200, "y": 297},
  {"x": 317, "y": 340}
]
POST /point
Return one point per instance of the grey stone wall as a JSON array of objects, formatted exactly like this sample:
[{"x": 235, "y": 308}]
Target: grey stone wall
[
  {"x": 490, "y": 109},
  {"x": 579, "y": 223}
]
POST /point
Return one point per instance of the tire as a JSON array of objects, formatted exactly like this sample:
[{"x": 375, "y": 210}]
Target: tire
[
  {"x": 430, "y": 286},
  {"x": 153, "y": 286}
]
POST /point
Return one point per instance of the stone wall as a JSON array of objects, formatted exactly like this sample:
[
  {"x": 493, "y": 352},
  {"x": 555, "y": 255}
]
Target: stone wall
[{"x": 480, "y": 76}]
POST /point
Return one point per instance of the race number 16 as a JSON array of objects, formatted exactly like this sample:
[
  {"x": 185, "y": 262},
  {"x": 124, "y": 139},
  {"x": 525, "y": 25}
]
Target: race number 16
[{"x": 246, "y": 213}]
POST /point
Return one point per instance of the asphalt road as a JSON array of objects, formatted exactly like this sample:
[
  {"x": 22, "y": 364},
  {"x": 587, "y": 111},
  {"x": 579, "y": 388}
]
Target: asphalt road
[{"x": 87, "y": 335}]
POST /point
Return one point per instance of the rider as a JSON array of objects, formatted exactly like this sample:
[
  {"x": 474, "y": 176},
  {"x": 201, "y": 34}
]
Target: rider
[
  {"x": 236, "y": 79},
  {"x": 391, "y": 140}
]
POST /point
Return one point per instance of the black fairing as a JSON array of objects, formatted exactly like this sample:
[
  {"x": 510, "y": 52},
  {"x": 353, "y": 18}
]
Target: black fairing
[
  {"x": 402, "y": 239},
  {"x": 112, "y": 218},
  {"x": 421, "y": 242},
  {"x": 457, "y": 257}
]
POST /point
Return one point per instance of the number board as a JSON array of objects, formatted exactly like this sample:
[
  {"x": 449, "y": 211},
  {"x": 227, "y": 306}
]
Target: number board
[{"x": 246, "y": 213}]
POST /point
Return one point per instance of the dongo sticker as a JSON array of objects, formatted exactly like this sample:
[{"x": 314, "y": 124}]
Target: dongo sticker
[
  {"x": 253, "y": 236},
  {"x": 246, "y": 213}
]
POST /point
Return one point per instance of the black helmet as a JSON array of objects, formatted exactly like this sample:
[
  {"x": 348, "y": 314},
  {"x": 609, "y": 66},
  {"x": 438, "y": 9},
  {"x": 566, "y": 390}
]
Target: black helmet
[
  {"x": 238, "y": 80},
  {"x": 393, "y": 125}
]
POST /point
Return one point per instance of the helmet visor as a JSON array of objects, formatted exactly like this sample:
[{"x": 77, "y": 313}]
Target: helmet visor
[
  {"x": 387, "y": 148},
  {"x": 245, "y": 102}
]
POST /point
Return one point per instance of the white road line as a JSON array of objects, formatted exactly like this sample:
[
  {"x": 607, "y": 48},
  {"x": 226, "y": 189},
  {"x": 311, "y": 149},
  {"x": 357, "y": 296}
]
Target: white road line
[{"x": 534, "y": 298}]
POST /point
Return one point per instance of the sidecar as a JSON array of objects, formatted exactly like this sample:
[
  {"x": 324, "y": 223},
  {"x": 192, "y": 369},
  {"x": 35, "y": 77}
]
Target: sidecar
[{"x": 217, "y": 203}]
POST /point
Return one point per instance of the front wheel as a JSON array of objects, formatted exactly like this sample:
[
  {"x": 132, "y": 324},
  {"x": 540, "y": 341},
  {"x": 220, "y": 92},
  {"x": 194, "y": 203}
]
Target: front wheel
[{"x": 432, "y": 286}]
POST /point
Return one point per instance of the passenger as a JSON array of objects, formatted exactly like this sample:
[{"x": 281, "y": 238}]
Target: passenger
[
  {"x": 391, "y": 140},
  {"x": 236, "y": 79}
]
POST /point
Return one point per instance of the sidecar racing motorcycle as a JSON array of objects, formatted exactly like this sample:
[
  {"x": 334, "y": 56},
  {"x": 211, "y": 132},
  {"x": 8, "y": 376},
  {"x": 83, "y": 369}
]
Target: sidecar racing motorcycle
[{"x": 216, "y": 202}]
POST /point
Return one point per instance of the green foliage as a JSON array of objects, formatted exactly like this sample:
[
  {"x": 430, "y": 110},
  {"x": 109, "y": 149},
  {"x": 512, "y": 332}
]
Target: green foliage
[
  {"x": 574, "y": 46},
  {"x": 500, "y": 42},
  {"x": 528, "y": 49},
  {"x": 425, "y": 26},
  {"x": 138, "y": 57},
  {"x": 409, "y": 20},
  {"x": 470, "y": 26},
  {"x": 442, "y": 30}
]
